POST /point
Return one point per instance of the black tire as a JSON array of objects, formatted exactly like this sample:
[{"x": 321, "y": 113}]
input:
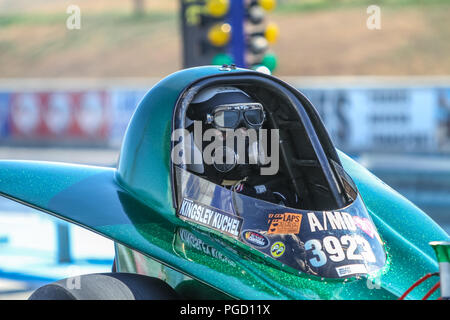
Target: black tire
[{"x": 106, "y": 286}]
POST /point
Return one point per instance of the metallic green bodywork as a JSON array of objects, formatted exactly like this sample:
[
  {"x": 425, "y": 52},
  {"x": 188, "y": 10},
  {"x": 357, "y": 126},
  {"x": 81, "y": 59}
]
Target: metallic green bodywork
[{"x": 132, "y": 205}]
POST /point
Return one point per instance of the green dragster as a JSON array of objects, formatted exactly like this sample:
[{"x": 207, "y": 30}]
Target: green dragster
[{"x": 358, "y": 238}]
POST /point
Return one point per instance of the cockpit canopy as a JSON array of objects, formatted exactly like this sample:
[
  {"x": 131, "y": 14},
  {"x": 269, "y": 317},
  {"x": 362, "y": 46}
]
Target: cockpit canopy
[{"x": 326, "y": 231}]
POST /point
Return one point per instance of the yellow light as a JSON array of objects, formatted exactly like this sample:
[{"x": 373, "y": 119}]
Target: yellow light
[
  {"x": 268, "y": 4},
  {"x": 217, "y": 8},
  {"x": 272, "y": 32},
  {"x": 219, "y": 34}
]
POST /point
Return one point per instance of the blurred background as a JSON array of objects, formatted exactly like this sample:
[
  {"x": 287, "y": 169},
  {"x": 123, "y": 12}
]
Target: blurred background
[{"x": 72, "y": 72}]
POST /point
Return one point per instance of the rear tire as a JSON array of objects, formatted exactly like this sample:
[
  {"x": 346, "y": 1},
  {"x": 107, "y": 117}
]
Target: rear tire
[{"x": 106, "y": 286}]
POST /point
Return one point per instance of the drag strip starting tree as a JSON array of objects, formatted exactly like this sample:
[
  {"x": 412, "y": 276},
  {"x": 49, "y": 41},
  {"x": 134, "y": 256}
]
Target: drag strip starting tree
[{"x": 228, "y": 32}]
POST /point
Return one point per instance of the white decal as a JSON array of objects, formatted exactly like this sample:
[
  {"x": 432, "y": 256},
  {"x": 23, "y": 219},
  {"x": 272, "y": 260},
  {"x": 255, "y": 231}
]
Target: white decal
[
  {"x": 210, "y": 217},
  {"x": 351, "y": 269},
  {"x": 314, "y": 222},
  {"x": 334, "y": 249},
  {"x": 337, "y": 250},
  {"x": 320, "y": 258},
  {"x": 352, "y": 247},
  {"x": 331, "y": 221}
]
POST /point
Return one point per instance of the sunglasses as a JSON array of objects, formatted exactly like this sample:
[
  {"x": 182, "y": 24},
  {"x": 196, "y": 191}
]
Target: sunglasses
[{"x": 232, "y": 116}]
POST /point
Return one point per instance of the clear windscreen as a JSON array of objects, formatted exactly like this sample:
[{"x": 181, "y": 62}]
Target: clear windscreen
[{"x": 332, "y": 244}]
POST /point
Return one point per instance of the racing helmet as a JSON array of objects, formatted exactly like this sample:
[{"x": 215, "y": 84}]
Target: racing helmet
[{"x": 230, "y": 117}]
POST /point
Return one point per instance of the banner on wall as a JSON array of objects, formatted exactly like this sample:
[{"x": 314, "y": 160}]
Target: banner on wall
[
  {"x": 4, "y": 115},
  {"x": 379, "y": 119},
  {"x": 123, "y": 104},
  {"x": 70, "y": 117},
  {"x": 357, "y": 119}
]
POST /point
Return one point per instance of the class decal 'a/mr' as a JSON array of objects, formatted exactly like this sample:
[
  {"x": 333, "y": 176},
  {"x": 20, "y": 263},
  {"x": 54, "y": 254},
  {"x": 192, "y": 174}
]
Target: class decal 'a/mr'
[
  {"x": 328, "y": 220},
  {"x": 211, "y": 217}
]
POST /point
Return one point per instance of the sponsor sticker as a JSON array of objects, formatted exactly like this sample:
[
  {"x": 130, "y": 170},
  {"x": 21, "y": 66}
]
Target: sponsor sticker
[
  {"x": 255, "y": 238},
  {"x": 277, "y": 249},
  {"x": 239, "y": 187},
  {"x": 284, "y": 223},
  {"x": 365, "y": 225},
  {"x": 211, "y": 217},
  {"x": 351, "y": 269}
]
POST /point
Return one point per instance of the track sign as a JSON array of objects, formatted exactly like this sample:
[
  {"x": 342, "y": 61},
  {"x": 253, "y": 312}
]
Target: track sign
[
  {"x": 58, "y": 115},
  {"x": 25, "y": 113}
]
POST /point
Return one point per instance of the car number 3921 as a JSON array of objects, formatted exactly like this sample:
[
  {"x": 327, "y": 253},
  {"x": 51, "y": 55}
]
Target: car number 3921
[{"x": 332, "y": 248}]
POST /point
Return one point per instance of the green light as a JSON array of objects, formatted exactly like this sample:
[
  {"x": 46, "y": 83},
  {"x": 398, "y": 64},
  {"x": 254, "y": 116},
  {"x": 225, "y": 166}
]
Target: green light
[
  {"x": 221, "y": 59},
  {"x": 270, "y": 61}
]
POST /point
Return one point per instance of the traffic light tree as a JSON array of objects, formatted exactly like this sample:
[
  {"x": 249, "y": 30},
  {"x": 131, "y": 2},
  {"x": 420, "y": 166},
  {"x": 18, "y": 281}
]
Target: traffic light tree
[{"x": 228, "y": 32}]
